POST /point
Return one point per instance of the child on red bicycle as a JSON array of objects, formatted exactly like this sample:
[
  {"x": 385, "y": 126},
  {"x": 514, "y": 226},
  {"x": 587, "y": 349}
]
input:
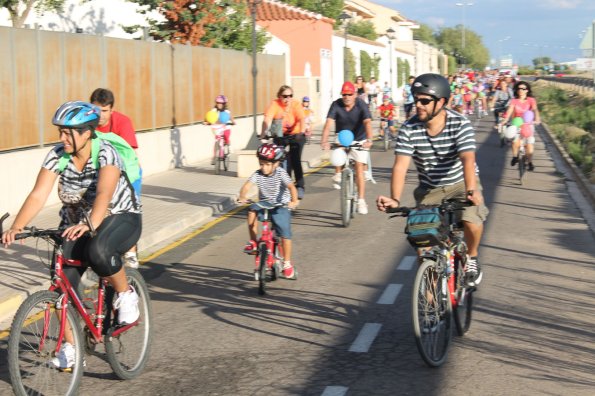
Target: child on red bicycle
[
  {"x": 388, "y": 113},
  {"x": 220, "y": 118},
  {"x": 308, "y": 119},
  {"x": 274, "y": 186}
]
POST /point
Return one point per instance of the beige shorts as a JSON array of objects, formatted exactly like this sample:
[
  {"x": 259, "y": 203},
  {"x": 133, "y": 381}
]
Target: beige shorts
[{"x": 434, "y": 196}]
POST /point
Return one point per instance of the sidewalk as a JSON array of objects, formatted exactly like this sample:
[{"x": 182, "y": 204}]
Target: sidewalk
[{"x": 173, "y": 202}]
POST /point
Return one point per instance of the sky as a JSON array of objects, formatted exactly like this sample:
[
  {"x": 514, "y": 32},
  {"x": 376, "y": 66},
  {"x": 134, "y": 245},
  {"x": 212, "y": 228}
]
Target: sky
[{"x": 535, "y": 27}]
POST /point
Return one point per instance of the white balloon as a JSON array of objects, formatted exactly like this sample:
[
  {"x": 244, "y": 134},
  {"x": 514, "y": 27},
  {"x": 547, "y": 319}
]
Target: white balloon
[
  {"x": 511, "y": 131},
  {"x": 338, "y": 157}
]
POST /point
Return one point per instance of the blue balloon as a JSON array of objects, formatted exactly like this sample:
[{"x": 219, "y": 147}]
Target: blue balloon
[
  {"x": 345, "y": 137},
  {"x": 224, "y": 117}
]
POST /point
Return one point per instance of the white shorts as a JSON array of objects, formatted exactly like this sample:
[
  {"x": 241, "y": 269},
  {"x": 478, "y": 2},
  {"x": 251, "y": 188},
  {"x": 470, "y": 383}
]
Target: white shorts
[{"x": 358, "y": 155}]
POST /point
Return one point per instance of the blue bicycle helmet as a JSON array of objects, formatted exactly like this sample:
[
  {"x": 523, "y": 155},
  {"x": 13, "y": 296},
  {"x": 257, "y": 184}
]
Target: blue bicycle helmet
[{"x": 77, "y": 115}]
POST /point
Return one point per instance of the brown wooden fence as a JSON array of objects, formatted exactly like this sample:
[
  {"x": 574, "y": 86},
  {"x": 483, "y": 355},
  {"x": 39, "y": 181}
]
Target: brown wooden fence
[{"x": 156, "y": 84}]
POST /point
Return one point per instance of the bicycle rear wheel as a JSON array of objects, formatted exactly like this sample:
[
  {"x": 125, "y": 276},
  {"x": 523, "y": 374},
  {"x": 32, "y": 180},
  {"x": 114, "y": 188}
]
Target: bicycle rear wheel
[
  {"x": 431, "y": 314},
  {"x": 128, "y": 351},
  {"x": 346, "y": 197},
  {"x": 32, "y": 345},
  {"x": 263, "y": 256},
  {"x": 464, "y": 300},
  {"x": 386, "y": 138}
]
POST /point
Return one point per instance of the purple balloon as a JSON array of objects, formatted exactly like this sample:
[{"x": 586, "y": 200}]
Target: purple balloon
[{"x": 528, "y": 116}]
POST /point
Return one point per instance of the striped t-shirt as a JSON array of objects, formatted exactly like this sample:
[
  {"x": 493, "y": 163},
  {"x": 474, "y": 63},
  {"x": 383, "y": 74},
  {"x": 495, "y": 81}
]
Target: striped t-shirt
[
  {"x": 77, "y": 190},
  {"x": 273, "y": 188},
  {"x": 437, "y": 158}
]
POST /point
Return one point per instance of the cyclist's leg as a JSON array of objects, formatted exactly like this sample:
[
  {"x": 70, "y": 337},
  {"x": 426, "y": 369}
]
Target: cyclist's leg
[
  {"x": 295, "y": 159},
  {"x": 281, "y": 219},
  {"x": 252, "y": 224},
  {"x": 360, "y": 180}
]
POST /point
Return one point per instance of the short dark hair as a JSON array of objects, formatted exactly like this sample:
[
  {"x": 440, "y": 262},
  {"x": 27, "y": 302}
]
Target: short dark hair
[{"x": 103, "y": 97}]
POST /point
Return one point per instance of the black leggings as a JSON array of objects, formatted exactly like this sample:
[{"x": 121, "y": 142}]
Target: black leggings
[
  {"x": 294, "y": 158},
  {"x": 115, "y": 236}
]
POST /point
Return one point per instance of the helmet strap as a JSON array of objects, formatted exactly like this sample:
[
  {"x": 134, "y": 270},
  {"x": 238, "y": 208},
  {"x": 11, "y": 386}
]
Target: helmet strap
[{"x": 434, "y": 112}]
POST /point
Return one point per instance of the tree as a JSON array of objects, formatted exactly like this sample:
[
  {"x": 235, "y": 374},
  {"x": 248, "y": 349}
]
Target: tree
[
  {"x": 363, "y": 29},
  {"x": 209, "y": 23},
  {"x": 543, "y": 60},
  {"x": 329, "y": 8},
  {"x": 425, "y": 34},
  {"x": 475, "y": 55},
  {"x": 19, "y": 9}
]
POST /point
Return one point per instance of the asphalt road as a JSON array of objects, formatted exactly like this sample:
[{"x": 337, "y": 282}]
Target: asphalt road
[{"x": 344, "y": 326}]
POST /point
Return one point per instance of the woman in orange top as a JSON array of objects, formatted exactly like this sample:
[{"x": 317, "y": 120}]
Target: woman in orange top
[{"x": 284, "y": 119}]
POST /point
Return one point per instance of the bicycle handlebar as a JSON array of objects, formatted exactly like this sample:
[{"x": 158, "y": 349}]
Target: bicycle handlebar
[
  {"x": 447, "y": 205},
  {"x": 355, "y": 146},
  {"x": 52, "y": 233}
]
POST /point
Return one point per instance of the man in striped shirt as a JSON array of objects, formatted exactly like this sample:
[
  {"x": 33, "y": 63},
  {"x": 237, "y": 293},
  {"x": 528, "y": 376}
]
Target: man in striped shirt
[{"x": 442, "y": 145}]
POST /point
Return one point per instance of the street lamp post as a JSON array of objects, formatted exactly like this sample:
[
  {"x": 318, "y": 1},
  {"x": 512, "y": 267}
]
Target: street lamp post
[
  {"x": 253, "y": 4},
  {"x": 463, "y": 5},
  {"x": 390, "y": 33},
  {"x": 344, "y": 17}
]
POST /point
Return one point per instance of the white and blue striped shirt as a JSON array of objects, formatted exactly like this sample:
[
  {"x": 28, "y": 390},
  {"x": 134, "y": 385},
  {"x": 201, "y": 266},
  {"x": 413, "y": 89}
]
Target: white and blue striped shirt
[
  {"x": 273, "y": 188},
  {"x": 437, "y": 157}
]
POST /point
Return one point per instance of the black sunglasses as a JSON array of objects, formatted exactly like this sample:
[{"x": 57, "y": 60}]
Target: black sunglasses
[
  {"x": 287, "y": 96},
  {"x": 423, "y": 101},
  {"x": 346, "y": 94}
]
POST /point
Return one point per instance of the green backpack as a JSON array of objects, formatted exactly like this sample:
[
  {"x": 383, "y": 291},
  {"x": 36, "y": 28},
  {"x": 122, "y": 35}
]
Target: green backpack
[{"x": 126, "y": 152}]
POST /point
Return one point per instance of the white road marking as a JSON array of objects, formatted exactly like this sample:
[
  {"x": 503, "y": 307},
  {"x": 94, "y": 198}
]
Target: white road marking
[
  {"x": 335, "y": 391},
  {"x": 407, "y": 263},
  {"x": 365, "y": 337},
  {"x": 390, "y": 294}
]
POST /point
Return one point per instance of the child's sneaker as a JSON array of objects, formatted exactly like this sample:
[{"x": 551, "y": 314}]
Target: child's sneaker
[
  {"x": 289, "y": 271},
  {"x": 251, "y": 247},
  {"x": 130, "y": 260},
  {"x": 65, "y": 357}
]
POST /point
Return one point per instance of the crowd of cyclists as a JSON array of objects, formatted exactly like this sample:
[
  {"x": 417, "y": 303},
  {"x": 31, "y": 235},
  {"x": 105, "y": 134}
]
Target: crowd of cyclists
[{"x": 101, "y": 212}]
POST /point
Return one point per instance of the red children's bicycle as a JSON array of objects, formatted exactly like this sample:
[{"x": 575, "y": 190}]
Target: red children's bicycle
[
  {"x": 269, "y": 254},
  {"x": 38, "y": 328}
]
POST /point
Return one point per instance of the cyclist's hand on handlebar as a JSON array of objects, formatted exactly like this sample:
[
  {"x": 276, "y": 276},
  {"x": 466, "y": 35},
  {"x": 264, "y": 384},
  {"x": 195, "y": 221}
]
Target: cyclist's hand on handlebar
[
  {"x": 325, "y": 145},
  {"x": 8, "y": 236},
  {"x": 293, "y": 204},
  {"x": 384, "y": 203},
  {"x": 367, "y": 144},
  {"x": 74, "y": 232},
  {"x": 242, "y": 200}
]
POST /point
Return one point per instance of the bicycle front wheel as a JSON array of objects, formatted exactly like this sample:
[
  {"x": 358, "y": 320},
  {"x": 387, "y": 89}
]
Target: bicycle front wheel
[
  {"x": 128, "y": 351},
  {"x": 32, "y": 346},
  {"x": 386, "y": 138},
  {"x": 346, "y": 197},
  {"x": 464, "y": 301},
  {"x": 522, "y": 170},
  {"x": 263, "y": 256},
  {"x": 431, "y": 314},
  {"x": 217, "y": 157},
  {"x": 226, "y": 157}
]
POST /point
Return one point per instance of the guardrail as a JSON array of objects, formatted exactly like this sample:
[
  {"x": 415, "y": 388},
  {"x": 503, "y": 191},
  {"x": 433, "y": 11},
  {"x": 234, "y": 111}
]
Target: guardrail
[{"x": 584, "y": 86}]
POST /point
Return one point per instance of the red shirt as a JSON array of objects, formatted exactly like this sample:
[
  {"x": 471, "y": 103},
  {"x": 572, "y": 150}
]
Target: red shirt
[
  {"x": 386, "y": 111},
  {"x": 120, "y": 125}
]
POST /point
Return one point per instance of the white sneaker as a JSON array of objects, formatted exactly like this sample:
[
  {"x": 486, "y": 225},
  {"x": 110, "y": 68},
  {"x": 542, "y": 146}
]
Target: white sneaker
[
  {"x": 337, "y": 181},
  {"x": 65, "y": 358},
  {"x": 130, "y": 260},
  {"x": 367, "y": 175},
  {"x": 362, "y": 206},
  {"x": 127, "y": 306}
]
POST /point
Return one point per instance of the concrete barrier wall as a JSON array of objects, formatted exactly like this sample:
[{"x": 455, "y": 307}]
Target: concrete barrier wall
[{"x": 158, "y": 151}]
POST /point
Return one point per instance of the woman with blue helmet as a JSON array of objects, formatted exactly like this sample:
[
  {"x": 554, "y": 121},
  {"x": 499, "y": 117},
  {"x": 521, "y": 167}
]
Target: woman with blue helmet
[{"x": 102, "y": 195}]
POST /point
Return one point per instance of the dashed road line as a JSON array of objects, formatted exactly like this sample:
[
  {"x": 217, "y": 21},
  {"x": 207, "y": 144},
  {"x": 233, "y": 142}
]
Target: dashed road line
[
  {"x": 365, "y": 337},
  {"x": 390, "y": 294},
  {"x": 335, "y": 391},
  {"x": 407, "y": 263}
]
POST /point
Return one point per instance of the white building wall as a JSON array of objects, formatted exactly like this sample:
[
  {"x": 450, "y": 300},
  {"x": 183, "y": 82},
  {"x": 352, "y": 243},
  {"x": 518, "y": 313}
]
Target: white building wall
[{"x": 105, "y": 17}]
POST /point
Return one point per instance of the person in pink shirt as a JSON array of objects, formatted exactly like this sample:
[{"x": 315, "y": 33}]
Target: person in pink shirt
[
  {"x": 523, "y": 101},
  {"x": 120, "y": 124}
]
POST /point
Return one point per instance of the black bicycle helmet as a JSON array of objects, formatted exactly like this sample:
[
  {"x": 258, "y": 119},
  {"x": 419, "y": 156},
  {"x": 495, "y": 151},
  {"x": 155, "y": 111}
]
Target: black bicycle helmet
[
  {"x": 77, "y": 115},
  {"x": 431, "y": 84}
]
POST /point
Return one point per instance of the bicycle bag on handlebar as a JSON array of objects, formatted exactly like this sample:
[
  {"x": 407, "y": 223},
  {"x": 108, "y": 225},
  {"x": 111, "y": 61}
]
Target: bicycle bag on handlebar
[{"x": 425, "y": 227}]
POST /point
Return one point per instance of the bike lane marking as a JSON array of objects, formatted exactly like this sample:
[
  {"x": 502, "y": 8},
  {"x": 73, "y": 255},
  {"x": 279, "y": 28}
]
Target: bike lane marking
[
  {"x": 365, "y": 337},
  {"x": 335, "y": 391},
  {"x": 390, "y": 294},
  {"x": 407, "y": 263}
]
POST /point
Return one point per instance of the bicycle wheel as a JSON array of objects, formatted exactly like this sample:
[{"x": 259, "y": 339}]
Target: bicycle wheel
[
  {"x": 128, "y": 351},
  {"x": 431, "y": 314},
  {"x": 346, "y": 194},
  {"x": 226, "y": 157},
  {"x": 522, "y": 166},
  {"x": 263, "y": 256},
  {"x": 464, "y": 301},
  {"x": 32, "y": 345},
  {"x": 386, "y": 140},
  {"x": 217, "y": 155}
]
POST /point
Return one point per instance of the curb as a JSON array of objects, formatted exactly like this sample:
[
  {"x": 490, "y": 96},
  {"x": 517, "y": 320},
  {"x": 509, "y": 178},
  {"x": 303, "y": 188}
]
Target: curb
[
  {"x": 587, "y": 189},
  {"x": 8, "y": 307}
]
